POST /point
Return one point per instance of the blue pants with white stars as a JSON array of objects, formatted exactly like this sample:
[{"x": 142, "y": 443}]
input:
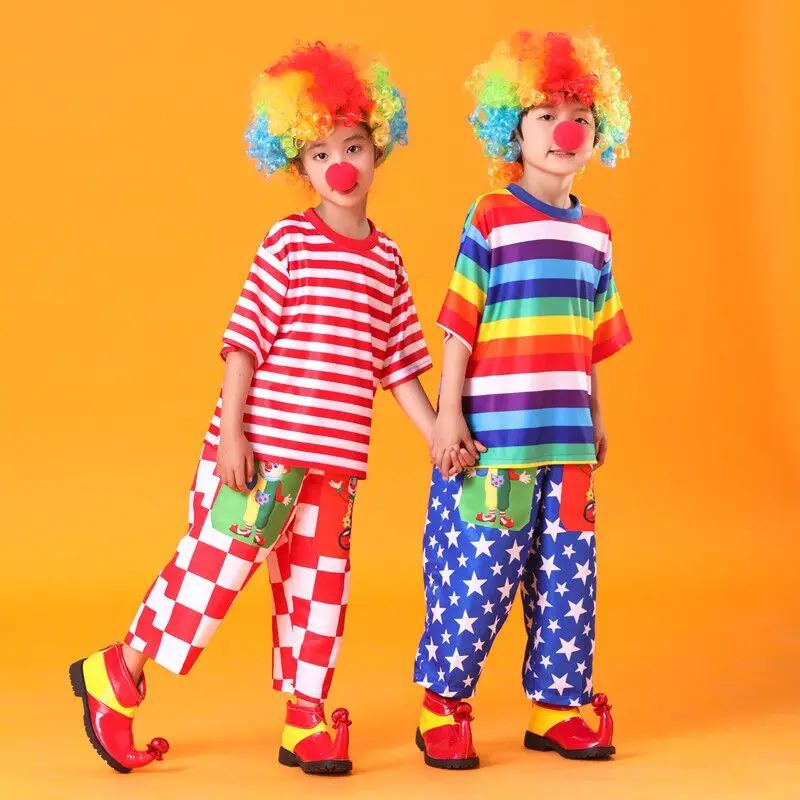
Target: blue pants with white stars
[{"x": 476, "y": 553}]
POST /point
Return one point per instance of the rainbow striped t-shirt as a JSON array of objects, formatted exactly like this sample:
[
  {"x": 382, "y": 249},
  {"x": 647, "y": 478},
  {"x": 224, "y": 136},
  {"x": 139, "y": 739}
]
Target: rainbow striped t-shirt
[{"x": 534, "y": 300}]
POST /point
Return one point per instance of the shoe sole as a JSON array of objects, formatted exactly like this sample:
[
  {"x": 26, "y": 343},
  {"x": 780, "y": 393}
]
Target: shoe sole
[
  {"x": 446, "y": 763},
  {"x": 542, "y": 744},
  {"x": 79, "y": 689},
  {"x": 330, "y": 766}
]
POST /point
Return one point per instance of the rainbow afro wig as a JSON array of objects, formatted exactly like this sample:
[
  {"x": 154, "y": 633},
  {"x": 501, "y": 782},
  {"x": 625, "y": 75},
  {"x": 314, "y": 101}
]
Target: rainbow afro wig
[
  {"x": 303, "y": 96},
  {"x": 530, "y": 70}
]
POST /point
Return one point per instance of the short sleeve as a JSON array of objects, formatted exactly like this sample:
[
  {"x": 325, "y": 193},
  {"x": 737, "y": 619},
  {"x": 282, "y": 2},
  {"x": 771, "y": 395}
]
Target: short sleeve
[
  {"x": 611, "y": 332},
  {"x": 255, "y": 320},
  {"x": 406, "y": 352},
  {"x": 466, "y": 297}
]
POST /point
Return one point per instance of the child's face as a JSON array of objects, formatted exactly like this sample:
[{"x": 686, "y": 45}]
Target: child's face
[
  {"x": 346, "y": 145},
  {"x": 540, "y": 150}
]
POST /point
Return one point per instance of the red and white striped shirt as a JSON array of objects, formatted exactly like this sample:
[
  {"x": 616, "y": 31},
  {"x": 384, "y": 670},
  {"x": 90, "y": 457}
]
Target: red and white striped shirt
[{"x": 326, "y": 318}]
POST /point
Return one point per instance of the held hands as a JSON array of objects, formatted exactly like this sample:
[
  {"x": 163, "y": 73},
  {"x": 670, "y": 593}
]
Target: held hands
[
  {"x": 235, "y": 461},
  {"x": 452, "y": 447}
]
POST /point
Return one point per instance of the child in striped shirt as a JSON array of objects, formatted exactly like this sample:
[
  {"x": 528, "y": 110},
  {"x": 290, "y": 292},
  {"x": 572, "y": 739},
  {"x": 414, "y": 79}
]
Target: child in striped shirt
[
  {"x": 531, "y": 310},
  {"x": 326, "y": 316}
]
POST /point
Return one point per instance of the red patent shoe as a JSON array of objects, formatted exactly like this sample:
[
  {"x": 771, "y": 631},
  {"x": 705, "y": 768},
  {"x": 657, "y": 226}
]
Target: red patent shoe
[
  {"x": 445, "y": 735},
  {"x": 573, "y": 738},
  {"x": 307, "y": 744},
  {"x": 110, "y": 699}
]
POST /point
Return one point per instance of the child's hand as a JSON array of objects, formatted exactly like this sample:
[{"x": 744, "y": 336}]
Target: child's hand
[
  {"x": 525, "y": 478},
  {"x": 235, "y": 461},
  {"x": 452, "y": 447},
  {"x": 600, "y": 443}
]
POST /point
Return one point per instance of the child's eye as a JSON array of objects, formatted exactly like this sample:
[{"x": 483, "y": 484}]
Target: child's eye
[
  {"x": 354, "y": 148},
  {"x": 320, "y": 156},
  {"x": 583, "y": 121},
  {"x": 547, "y": 117}
]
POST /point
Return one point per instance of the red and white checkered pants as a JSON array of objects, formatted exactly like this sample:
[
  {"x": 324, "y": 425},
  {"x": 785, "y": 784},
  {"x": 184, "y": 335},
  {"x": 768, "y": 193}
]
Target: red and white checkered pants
[{"x": 309, "y": 572}]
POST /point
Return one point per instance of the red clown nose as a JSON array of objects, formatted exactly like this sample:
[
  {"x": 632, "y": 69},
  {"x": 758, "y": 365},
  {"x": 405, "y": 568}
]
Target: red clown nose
[
  {"x": 569, "y": 135},
  {"x": 341, "y": 177}
]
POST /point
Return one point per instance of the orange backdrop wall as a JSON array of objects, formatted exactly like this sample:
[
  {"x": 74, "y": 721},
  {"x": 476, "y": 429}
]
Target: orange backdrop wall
[{"x": 129, "y": 217}]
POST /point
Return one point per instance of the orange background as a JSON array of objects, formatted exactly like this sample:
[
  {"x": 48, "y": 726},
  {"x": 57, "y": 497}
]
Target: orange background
[{"x": 130, "y": 215}]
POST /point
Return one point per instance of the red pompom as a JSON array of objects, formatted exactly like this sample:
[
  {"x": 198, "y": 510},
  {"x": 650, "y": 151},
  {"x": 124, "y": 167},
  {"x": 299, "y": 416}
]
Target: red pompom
[
  {"x": 158, "y": 747},
  {"x": 341, "y": 716}
]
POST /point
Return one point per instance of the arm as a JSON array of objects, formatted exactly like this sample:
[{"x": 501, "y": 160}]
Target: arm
[
  {"x": 411, "y": 397},
  {"x": 600, "y": 439},
  {"x": 234, "y": 454}
]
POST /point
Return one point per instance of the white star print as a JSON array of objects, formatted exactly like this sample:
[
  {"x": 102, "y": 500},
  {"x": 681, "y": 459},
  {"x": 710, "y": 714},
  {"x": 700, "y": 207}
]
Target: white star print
[
  {"x": 424, "y": 559},
  {"x": 528, "y": 663},
  {"x": 468, "y": 681},
  {"x": 446, "y": 573},
  {"x": 586, "y": 536},
  {"x": 542, "y": 601},
  {"x": 446, "y": 636},
  {"x": 478, "y": 645},
  {"x": 560, "y": 684},
  {"x": 454, "y": 598},
  {"x": 591, "y": 649},
  {"x": 445, "y": 513},
  {"x": 456, "y": 660},
  {"x": 514, "y": 553},
  {"x": 569, "y": 550},
  {"x": 553, "y": 528},
  {"x": 576, "y": 610},
  {"x": 555, "y": 491},
  {"x": 538, "y": 696},
  {"x": 437, "y": 612},
  {"x": 496, "y": 568},
  {"x": 452, "y": 536},
  {"x": 487, "y": 607},
  {"x": 587, "y": 629},
  {"x": 440, "y": 552},
  {"x": 466, "y": 622},
  {"x": 561, "y": 589},
  {"x": 457, "y": 497},
  {"x": 553, "y": 625},
  {"x": 545, "y": 661},
  {"x": 583, "y": 572},
  {"x": 435, "y": 503},
  {"x": 581, "y": 668},
  {"x": 440, "y": 675},
  {"x": 493, "y": 626},
  {"x": 549, "y": 566},
  {"x": 425, "y": 683},
  {"x": 520, "y": 570},
  {"x": 505, "y": 589},
  {"x": 474, "y": 585},
  {"x": 448, "y": 693},
  {"x": 482, "y": 546},
  {"x": 589, "y": 685},
  {"x": 568, "y": 647},
  {"x": 432, "y": 542},
  {"x": 538, "y": 638},
  {"x": 575, "y": 702},
  {"x": 462, "y": 560},
  {"x": 431, "y": 648}
]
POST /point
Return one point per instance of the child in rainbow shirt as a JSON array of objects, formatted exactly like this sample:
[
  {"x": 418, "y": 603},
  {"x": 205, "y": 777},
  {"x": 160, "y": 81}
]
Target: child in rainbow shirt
[{"x": 531, "y": 310}]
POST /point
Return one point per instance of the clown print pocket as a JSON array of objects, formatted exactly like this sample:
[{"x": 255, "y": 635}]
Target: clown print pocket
[
  {"x": 258, "y": 517},
  {"x": 577, "y": 498},
  {"x": 497, "y": 498}
]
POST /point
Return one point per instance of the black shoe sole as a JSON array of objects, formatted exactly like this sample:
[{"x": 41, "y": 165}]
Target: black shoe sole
[
  {"x": 329, "y": 766},
  {"x": 541, "y": 743},
  {"x": 446, "y": 763},
  {"x": 79, "y": 688}
]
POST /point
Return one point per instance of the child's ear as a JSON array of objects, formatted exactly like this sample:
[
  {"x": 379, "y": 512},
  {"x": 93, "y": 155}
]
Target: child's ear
[{"x": 380, "y": 156}]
